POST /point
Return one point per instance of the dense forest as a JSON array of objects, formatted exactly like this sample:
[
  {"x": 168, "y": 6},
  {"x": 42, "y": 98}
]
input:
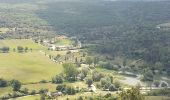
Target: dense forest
[{"x": 117, "y": 28}]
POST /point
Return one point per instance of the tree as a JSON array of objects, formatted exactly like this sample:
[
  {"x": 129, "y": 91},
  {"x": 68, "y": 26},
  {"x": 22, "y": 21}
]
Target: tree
[
  {"x": 156, "y": 83},
  {"x": 58, "y": 79},
  {"x": 61, "y": 87},
  {"x": 148, "y": 76},
  {"x": 20, "y": 49},
  {"x": 16, "y": 85},
  {"x": 89, "y": 81},
  {"x": 95, "y": 61},
  {"x": 3, "y": 83},
  {"x": 70, "y": 90},
  {"x": 85, "y": 71},
  {"x": 26, "y": 49},
  {"x": 105, "y": 82},
  {"x": 5, "y": 49},
  {"x": 96, "y": 76},
  {"x": 131, "y": 94},
  {"x": 24, "y": 90},
  {"x": 89, "y": 60},
  {"x": 70, "y": 71},
  {"x": 57, "y": 57},
  {"x": 112, "y": 88}
]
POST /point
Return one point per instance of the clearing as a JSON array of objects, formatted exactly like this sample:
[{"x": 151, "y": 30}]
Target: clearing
[{"x": 26, "y": 67}]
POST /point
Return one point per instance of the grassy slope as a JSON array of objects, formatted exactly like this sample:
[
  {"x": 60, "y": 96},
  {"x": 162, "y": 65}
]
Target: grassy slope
[
  {"x": 13, "y": 43},
  {"x": 26, "y": 67},
  {"x": 36, "y": 97}
]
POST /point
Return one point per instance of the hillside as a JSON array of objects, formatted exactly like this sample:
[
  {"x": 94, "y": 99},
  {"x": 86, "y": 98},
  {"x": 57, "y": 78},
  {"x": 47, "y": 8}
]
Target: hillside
[{"x": 84, "y": 49}]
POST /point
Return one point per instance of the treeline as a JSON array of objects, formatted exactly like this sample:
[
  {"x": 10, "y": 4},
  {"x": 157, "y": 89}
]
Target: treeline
[{"x": 19, "y": 49}]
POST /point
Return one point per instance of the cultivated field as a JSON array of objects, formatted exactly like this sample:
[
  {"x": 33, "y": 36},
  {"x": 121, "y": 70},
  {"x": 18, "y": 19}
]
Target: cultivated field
[{"x": 28, "y": 67}]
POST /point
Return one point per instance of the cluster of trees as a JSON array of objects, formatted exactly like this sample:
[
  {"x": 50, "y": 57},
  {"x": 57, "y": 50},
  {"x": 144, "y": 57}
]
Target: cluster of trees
[
  {"x": 19, "y": 49},
  {"x": 104, "y": 82},
  {"x": 4, "y": 49},
  {"x": 69, "y": 74},
  {"x": 18, "y": 91},
  {"x": 70, "y": 90},
  {"x": 15, "y": 84},
  {"x": 131, "y": 94}
]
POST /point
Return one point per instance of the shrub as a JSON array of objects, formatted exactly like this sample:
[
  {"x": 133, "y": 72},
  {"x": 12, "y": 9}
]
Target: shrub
[
  {"x": 61, "y": 87},
  {"x": 33, "y": 92},
  {"x": 97, "y": 76},
  {"x": 117, "y": 84},
  {"x": 156, "y": 83},
  {"x": 58, "y": 79},
  {"x": 80, "y": 98},
  {"x": 16, "y": 85},
  {"x": 43, "y": 81},
  {"x": 148, "y": 76},
  {"x": 112, "y": 88},
  {"x": 42, "y": 91},
  {"x": 3, "y": 83},
  {"x": 89, "y": 81},
  {"x": 24, "y": 90},
  {"x": 70, "y": 90}
]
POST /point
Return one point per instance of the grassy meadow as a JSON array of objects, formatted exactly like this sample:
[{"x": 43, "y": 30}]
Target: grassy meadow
[
  {"x": 13, "y": 43},
  {"x": 35, "y": 97},
  {"x": 63, "y": 42},
  {"x": 26, "y": 67}
]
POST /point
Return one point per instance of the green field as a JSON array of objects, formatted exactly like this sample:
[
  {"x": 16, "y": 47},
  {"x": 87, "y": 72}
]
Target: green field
[
  {"x": 63, "y": 42},
  {"x": 157, "y": 98},
  {"x": 26, "y": 67},
  {"x": 13, "y": 43},
  {"x": 5, "y": 90},
  {"x": 38, "y": 86},
  {"x": 35, "y": 97}
]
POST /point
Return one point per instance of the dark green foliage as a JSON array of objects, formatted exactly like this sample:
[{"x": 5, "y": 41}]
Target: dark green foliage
[
  {"x": 33, "y": 92},
  {"x": 148, "y": 76},
  {"x": 112, "y": 88},
  {"x": 106, "y": 65},
  {"x": 42, "y": 91},
  {"x": 96, "y": 76},
  {"x": 131, "y": 94},
  {"x": 3, "y": 83},
  {"x": 4, "y": 49},
  {"x": 20, "y": 49},
  {"x": 16, "y": 85},
  {"x": 89, "y": 81},
  {"x": 61, "y": 87},
  {"x": 66, "y": 89},
  {"x": 70, "y": 90},
  {"x": 89, "y": 60},
  {"x": 24, "y": 90},
  {"x": 115, "y": 28},
  {"x": 70, "y": 71},
  {"x": 58, "y": 79}
]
